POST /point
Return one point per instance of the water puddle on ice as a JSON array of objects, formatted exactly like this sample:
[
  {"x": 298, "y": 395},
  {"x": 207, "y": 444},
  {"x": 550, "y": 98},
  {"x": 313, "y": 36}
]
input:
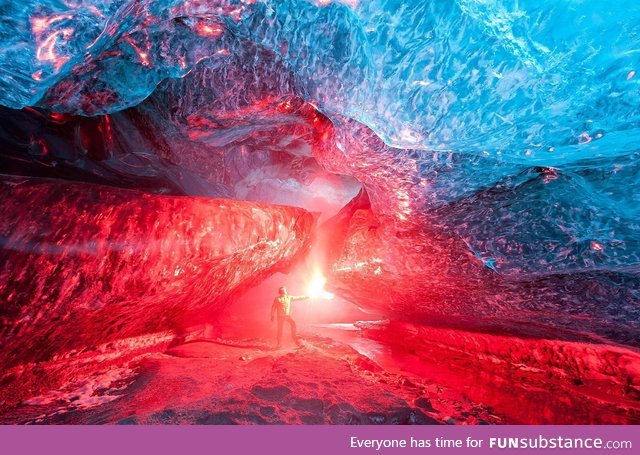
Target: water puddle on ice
[{"x": 350, "y": 334}]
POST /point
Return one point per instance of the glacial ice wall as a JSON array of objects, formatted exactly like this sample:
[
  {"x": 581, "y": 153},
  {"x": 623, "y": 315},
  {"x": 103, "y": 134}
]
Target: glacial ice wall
[
  {"x": 482, "y": 89},
  {"x": 82, "y": 265},
  {"x": 518, "y": 78},
  {"x": 496, "y": 140}
]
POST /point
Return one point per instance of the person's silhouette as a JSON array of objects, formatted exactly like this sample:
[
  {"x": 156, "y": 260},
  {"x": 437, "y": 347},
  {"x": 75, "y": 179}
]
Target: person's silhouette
[{"x": 282, "y": 306}]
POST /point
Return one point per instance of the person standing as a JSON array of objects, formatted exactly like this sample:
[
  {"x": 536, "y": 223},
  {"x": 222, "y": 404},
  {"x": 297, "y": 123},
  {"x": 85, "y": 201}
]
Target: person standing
[{"x": 282, "y": 307}]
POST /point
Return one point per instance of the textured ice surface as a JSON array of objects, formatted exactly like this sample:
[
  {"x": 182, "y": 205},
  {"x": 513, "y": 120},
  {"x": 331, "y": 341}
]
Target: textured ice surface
[
  {"x": 82, "y": 265},
  {"x": 467, "y": 75},
  {"x": 481, "y": 90},
  {"x": 496, "y": 141}
]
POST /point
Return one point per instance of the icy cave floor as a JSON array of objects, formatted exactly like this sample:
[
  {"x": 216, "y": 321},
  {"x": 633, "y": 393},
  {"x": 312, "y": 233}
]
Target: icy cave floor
[
  {"x": 338, "y": 376},
  {"x": 251, "y": 382}
]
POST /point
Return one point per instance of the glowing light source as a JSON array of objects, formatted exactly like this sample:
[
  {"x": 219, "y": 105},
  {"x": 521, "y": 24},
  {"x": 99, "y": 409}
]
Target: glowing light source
[{"x": 315, "y": 289}]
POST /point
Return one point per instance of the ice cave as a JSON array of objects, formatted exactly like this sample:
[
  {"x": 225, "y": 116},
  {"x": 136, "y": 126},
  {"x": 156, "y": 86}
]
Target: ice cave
[{"x": 454, "y": 184}]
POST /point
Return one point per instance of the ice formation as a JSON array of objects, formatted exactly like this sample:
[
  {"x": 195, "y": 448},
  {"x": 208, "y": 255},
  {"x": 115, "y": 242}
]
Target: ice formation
[{"x": 472, "y": 164}]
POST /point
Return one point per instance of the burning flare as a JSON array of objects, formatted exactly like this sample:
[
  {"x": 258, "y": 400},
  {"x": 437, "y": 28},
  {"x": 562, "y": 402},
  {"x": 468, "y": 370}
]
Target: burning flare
[{"x": 315, "y": 289}]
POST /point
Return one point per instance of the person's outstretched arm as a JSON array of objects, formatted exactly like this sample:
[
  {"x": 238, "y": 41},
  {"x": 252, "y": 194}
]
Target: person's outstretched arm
[{"x": 299, "y": 297}]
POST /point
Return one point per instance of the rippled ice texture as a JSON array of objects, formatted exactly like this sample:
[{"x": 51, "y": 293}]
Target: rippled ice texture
[
  {"x": 500, "y": 85},
  {"x": 511, "y": 126},
  {"x": 468, "y": 75}
]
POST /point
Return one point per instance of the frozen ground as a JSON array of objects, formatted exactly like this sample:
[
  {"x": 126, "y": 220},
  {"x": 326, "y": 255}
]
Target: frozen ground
[{"x": 347, "y": 374}]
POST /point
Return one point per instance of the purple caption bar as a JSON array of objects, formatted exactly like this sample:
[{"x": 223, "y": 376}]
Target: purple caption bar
[{"x": 320, "y": 440}]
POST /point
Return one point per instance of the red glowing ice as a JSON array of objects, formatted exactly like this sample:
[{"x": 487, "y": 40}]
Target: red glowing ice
[{"x": 82, "y": 264}]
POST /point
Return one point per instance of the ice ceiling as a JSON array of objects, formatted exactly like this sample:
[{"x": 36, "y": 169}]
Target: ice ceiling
[{"x": 494, "y": 143}]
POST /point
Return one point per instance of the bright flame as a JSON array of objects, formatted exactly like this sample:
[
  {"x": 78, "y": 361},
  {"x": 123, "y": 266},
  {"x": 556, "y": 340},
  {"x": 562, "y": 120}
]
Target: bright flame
[{"x": 316, "y": 286}]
